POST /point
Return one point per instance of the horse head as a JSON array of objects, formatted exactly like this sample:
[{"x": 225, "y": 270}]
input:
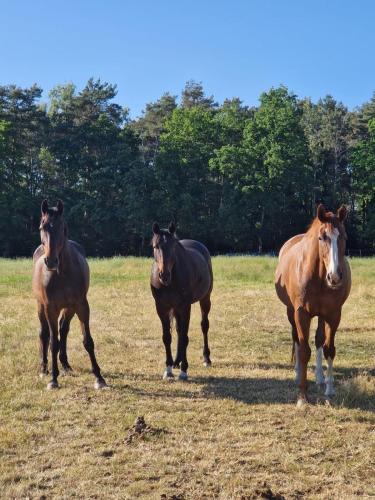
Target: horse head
[
  {"x": 332, "y": 243},
  {"x": 164, "y": 244},
  {"x": 53, "y": 233}
]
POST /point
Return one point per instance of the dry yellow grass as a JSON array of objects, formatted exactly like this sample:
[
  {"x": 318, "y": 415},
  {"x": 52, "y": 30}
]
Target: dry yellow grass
[{"x": 230, "y": 432}]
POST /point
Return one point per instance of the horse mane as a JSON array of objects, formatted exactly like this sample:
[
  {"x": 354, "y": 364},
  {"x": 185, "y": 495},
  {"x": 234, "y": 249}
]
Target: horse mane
[{"x": 331, "y": 218}]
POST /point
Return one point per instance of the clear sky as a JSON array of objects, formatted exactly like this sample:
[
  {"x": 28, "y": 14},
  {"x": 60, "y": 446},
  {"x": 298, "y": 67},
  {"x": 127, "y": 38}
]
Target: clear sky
[{"x": 237, "y": 48}]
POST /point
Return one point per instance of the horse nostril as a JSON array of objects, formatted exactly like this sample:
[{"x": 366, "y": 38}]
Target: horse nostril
[
  {"x": 51, "y": 263},
  {"x": 329, "y": 277}
]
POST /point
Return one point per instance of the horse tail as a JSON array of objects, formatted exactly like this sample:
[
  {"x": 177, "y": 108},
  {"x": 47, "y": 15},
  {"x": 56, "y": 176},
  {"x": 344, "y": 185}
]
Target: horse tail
[{"x": 293, "y": 358}]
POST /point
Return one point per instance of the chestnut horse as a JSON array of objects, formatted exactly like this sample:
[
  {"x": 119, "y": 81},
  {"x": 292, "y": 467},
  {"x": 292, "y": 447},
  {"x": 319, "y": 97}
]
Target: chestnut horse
[
  {"x": 60, "y": 284},
  {"x": 181, "y": 275},
  {"x": 313, "y": 279}
]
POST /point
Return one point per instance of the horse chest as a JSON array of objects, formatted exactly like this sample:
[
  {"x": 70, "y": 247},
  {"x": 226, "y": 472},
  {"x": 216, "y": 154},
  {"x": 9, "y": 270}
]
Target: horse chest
[
  {"x": 59, "y": 290},
  {"x": 172, "y": 297}
]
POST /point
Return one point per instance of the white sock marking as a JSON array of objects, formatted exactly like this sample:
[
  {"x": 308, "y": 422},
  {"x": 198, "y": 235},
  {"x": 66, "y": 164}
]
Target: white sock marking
[
  {"x": 168, "y": 372},
  {"x": 330, "y": 391}
]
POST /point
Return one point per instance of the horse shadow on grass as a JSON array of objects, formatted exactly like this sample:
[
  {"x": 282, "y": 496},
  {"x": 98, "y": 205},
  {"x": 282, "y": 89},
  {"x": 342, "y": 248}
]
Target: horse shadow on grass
[
  {"x": 247, "y": 390},
  {"x": 252, "y": 391}
]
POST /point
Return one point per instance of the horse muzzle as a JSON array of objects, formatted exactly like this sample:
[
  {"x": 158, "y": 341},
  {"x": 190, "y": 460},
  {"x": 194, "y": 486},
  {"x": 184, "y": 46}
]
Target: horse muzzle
[
  {"x": 165, "y": 278},
  {"x": 334, "y": 280},
  {"x": 51, "y": 263}
]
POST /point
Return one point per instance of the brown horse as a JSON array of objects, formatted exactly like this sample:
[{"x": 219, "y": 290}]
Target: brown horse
[
  {"x": 60, "y": 284},
  {"x": 313, "y": 279},
  {"x": 181, "y": 275}
]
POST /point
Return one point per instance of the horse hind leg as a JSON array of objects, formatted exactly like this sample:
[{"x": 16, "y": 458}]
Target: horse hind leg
[
  {"x": 83, "y": 313},
  {"x": 303, "y": 321},
  {"x": 205, "y": 325},
  {"x": 329, "y": 351},
  {"x": 64, "y": 325},
  {"x": 319, "y": 341}
]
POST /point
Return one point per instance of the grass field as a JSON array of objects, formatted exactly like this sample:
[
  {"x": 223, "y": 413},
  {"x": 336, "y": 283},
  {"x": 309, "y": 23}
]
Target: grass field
[{"x": 232, "y": 431}]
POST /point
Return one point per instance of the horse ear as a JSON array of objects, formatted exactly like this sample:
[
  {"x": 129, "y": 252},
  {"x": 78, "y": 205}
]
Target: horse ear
[
  {"x": 342, "y": 212},
  {"x": 60, "y": 207},
  {"x": 321, "y": 213},
  {"x": 44, "y": 207},
  {"x": 155, "y": 228},
  {"x": 172, "y": 227}
]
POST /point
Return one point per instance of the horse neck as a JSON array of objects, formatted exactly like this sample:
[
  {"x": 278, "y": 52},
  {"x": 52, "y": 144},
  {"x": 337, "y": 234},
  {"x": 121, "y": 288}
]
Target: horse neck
[
  {"x": 180, "y": 254},
  {"x": 180, "y": 262},
  {"x": 65, "y": 258}
]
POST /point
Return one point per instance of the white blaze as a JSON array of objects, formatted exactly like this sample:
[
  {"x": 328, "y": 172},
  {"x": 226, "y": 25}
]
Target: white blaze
[{"x": 333, "y": 254}]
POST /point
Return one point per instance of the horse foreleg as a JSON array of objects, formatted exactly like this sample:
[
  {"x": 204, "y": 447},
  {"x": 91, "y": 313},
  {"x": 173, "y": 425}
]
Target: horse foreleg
[
  {"x": 164, "y": 315},
  {"x": 52, "y": 315},
  {"x": 64, "y": 325},
  {"x": 303, "y": 321},
  {"x": 295, "y": 345},
  {"x": 83, "y": 313},
  {"x": 205, "y": 324},
  {"x": 329, "y": 350},
  {"x": 43, "y": 340},
  {"x": 319, "y": 341},
  {"x": 182, "y": 325}
]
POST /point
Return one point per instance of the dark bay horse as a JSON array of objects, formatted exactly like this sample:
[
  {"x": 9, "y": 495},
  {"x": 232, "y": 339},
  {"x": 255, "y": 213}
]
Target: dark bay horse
[
  {"x": 313, "y": 279},
  {"x": 181, "y": 275},
  {"x": 60, "y": 285}
]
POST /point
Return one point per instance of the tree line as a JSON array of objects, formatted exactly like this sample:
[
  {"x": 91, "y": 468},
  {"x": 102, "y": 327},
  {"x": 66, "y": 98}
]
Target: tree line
[{"x": 238, "y": 178}]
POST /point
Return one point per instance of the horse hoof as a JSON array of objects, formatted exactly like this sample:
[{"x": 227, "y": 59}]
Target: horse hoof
[
  {"x": 100, "y": 384},
  {"x": 168, "y": 376},
  {"x": 207, "y": 364},
  {"x": 43, "y": 374},
  {"x": 183, "y": 375},
  {"x": 52, "y": 385},
  {"x": 302, "y": 402},
  {"x": 66, "y": 371},
  {"x": 329, "y": 392}
]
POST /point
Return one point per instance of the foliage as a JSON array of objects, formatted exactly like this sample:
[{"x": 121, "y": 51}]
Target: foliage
[{"x": 238, "y": 178}]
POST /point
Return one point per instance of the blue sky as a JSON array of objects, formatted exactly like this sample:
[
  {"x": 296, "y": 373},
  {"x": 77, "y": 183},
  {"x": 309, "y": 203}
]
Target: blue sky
[{"x": 236, "y": 48}]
